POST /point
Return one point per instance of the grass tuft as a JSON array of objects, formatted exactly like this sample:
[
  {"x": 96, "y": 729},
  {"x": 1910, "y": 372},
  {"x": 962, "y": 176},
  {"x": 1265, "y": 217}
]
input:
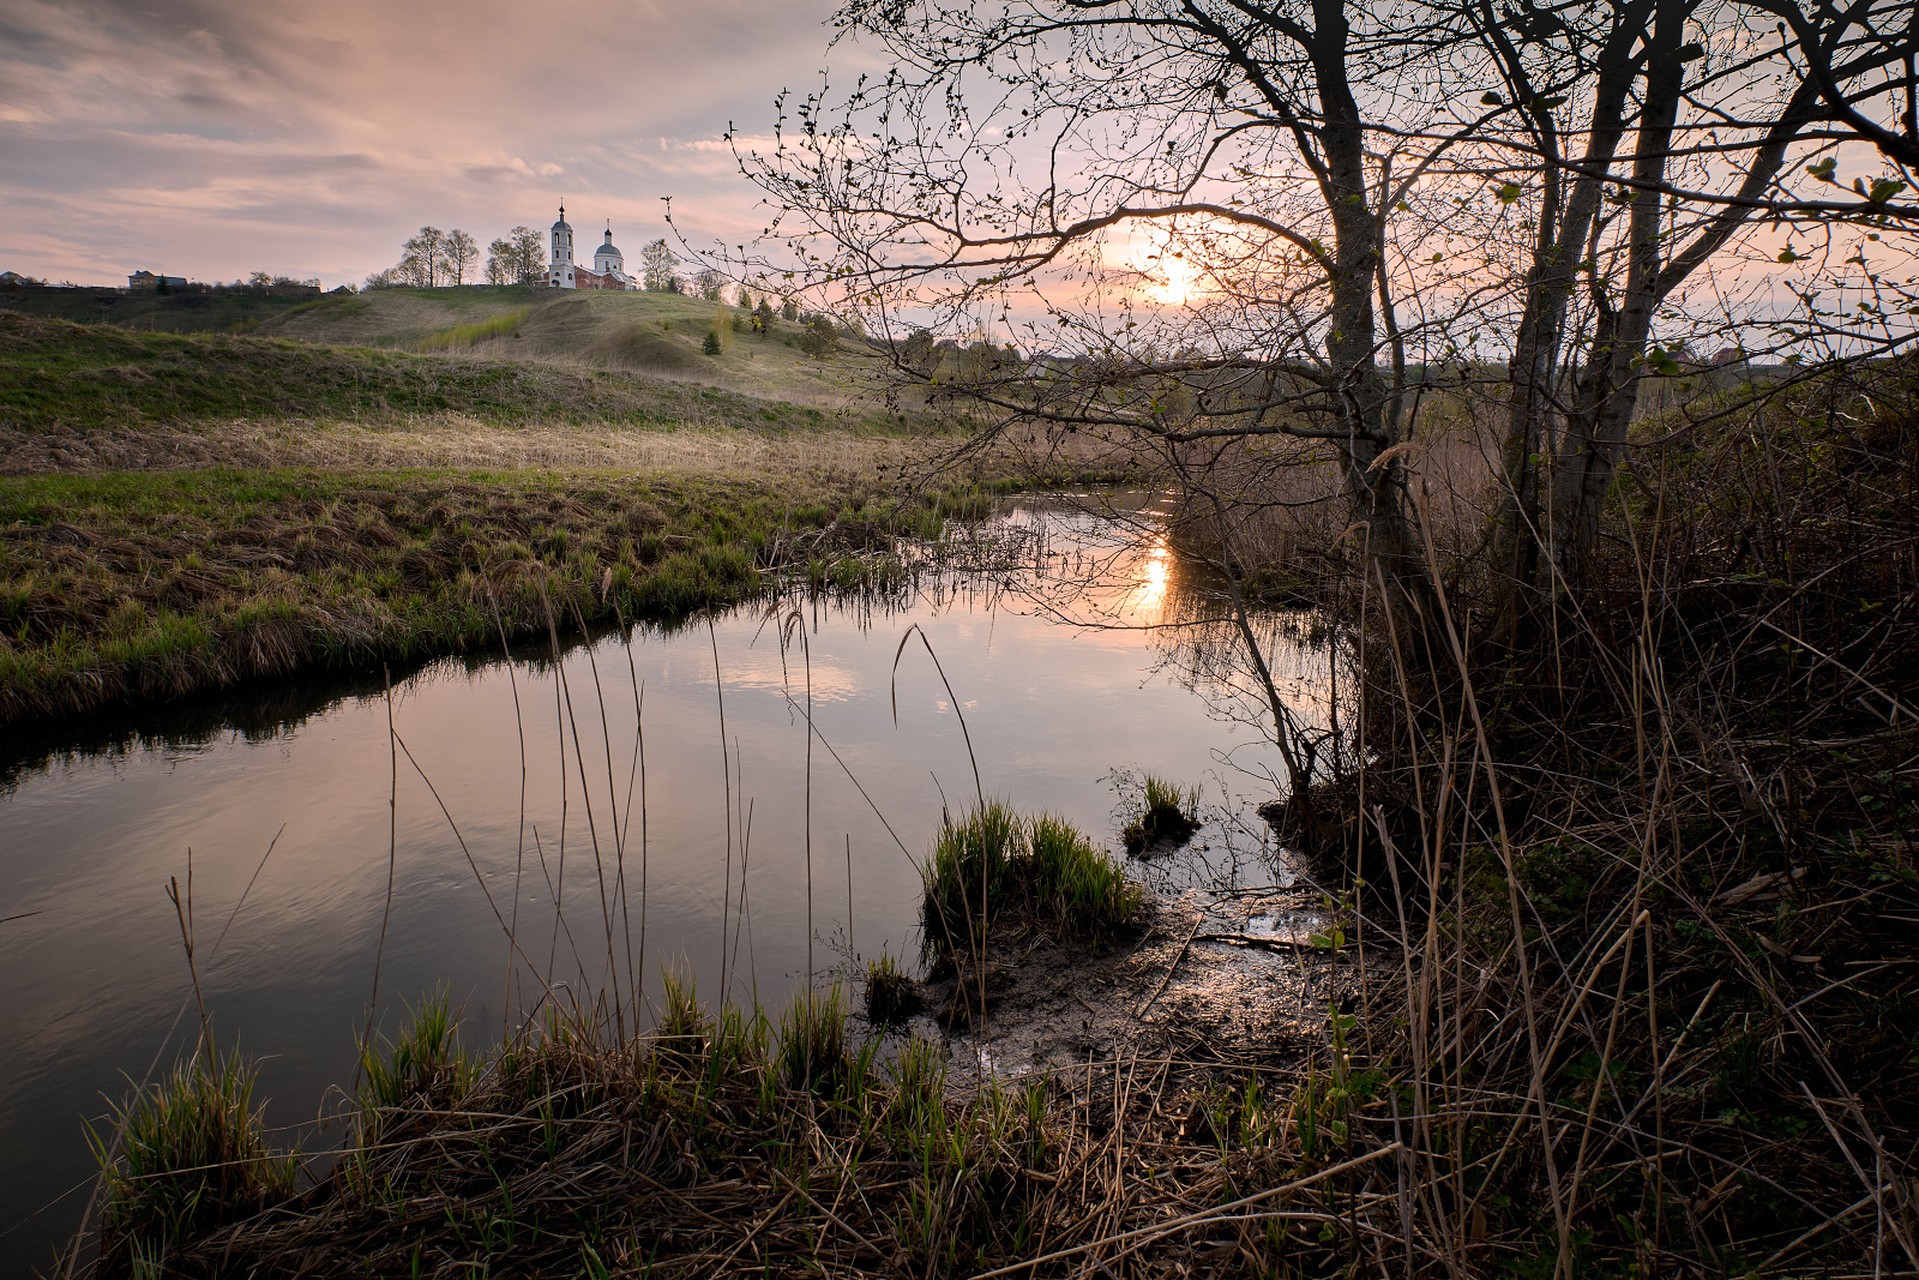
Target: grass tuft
[
  {"x": 892, "y": 996},
  {"x": 423, "y": 1064},
  {"x": 812, "y": 1040},
  {"x": 995, "y": 871},
  {"x": 193, "y": 1156},
  {"x": 1165, "y": 815}
]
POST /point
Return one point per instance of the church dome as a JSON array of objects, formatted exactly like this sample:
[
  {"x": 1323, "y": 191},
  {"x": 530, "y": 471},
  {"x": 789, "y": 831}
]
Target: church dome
[
  {"x": 608, "y": 250},
  {"x": 561, "y": 225}
]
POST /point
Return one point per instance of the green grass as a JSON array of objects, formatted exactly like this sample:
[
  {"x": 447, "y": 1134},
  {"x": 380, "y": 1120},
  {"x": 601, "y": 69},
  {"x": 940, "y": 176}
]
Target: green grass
[
  {"x": 57, "y": 376},
  {"x": 131, "y": 587},
  {"x": 799, "y": 1151},
  {"x": 892, "y": 996},
  {"x": 193, "y": 1155},
  {"x": 173, "y": 313},
  {"x": 128, "y": 587},
  {"x": 421, "y": 1065},
  {"x": 472, "y": 333},
  {"x": 996, "y": 873},
  {"x": 812, "y": 1043}
]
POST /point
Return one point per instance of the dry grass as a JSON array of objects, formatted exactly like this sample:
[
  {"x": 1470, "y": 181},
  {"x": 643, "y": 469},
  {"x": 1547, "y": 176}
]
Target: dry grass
[
  {"x": 456, "y": 441},
  {"x": 125, "y": 587},
  {"x": 1643, "y": 895},
  {"x": 722, "y": 1146}
]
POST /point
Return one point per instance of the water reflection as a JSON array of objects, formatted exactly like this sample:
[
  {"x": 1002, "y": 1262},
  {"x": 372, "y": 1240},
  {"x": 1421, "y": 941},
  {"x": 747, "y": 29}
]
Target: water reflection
[{"x": 555, "y": 830}]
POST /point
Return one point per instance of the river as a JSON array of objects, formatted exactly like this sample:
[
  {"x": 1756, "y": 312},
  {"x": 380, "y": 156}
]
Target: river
[{"x": 321, "y": 834}]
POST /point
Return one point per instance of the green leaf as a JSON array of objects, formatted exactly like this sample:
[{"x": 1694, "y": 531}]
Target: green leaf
[
  {"x": 1884, "y": 189},
  {"x": 1787, "y": 255},
  {"x": 1692, "y": 52},
  {"x": 1509, "y": 192},
  {"x": 1491, "y": 99}
]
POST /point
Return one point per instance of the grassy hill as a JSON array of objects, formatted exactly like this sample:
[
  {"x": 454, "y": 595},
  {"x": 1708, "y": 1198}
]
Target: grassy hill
[
  {"x": 56, "y": 375},
  {"x": 648, "y": 333},
  {"x": 168, "y": 313}
]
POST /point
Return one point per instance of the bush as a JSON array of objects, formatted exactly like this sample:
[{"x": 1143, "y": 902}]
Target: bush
[{"x": 818, "y": 339}]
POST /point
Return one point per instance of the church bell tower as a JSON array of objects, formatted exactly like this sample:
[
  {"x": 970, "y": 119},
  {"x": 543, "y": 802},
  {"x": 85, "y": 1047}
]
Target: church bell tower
[{"x": 561, "y": 272}]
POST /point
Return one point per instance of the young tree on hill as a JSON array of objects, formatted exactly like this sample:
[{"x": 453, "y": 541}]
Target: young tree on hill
[
  {"x": 818, "y": 339},
  {"x": 423, "y": 260},
  {"x": 459, "y": 253},
  {"x": 657, "y": 263},
  {"x": 499, "y": 263},
  {"x": 708, "y": 284},
  {"x": 529, "y": 255}
]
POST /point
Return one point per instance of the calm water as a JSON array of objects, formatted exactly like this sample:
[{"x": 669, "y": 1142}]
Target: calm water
[{"x": 289, "y": 792}]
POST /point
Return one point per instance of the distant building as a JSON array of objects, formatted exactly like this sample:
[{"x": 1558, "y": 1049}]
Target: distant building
[
  {"x": 609, "y": 264},
  {"x": 147, "y": 280},
  {"x": 14, "y": 280}
]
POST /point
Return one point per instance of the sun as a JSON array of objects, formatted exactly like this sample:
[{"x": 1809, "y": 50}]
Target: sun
[{"x": 1178, "y": 281}]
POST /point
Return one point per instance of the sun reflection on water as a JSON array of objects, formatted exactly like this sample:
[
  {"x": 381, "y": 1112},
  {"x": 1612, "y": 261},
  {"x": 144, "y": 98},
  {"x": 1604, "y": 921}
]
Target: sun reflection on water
[{"x": 1155, "y": 573}]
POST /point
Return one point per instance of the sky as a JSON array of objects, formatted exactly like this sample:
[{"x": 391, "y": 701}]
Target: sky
[{"x": 214, "y": 138}]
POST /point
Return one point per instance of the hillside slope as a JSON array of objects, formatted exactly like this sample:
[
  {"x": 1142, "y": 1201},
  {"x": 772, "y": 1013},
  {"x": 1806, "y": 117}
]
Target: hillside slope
[
  {"x": 55, "y": 375},
  {"x": 652, "y": 333}
]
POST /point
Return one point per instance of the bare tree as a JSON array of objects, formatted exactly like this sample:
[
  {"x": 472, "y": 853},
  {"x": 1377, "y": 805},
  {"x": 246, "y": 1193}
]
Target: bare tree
[
  {"x": 1364, "y": 201},
  {"x": 423, "y": 259},
  {"x": 518, "y": 257},
  {"x": 459, "y": 252},
  {"x": 1642, "y": 140},
  {"x": 529, "y": 255},
  {"x": 499, "y": 262}
]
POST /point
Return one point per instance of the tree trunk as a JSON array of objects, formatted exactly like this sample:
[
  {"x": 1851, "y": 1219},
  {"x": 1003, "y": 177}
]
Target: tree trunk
[
  {"x": 1597, "y": 431},
  {"x": 1550, "y": 280},
  {"x": 1375, "y": 488}
]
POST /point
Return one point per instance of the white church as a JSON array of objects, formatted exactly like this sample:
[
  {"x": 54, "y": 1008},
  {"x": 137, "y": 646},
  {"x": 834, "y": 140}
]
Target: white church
[{"x": 609, "y": 264}]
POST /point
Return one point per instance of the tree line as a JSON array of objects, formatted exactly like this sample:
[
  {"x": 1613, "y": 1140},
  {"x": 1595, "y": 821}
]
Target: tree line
[{"x": 432, "y": 258}]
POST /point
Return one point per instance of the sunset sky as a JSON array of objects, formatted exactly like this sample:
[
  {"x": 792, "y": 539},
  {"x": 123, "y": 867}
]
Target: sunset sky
[{"x": 212, "y": 138}]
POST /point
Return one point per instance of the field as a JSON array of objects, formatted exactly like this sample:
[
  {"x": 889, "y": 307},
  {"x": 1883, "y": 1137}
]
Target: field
[{"x": 184, "y": 512}]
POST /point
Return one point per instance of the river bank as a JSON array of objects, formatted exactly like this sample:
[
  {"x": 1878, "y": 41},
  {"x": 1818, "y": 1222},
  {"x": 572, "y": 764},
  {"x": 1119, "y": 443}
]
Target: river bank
[{"x": 145, "y": 586}]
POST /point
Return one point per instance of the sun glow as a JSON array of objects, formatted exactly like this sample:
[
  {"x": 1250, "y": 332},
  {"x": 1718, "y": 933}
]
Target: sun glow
[{"x": 1178, "y": 280}]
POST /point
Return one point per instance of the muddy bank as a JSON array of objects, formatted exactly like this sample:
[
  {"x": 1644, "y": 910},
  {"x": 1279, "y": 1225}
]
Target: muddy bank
[{"x": 1217, "y": 978}]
